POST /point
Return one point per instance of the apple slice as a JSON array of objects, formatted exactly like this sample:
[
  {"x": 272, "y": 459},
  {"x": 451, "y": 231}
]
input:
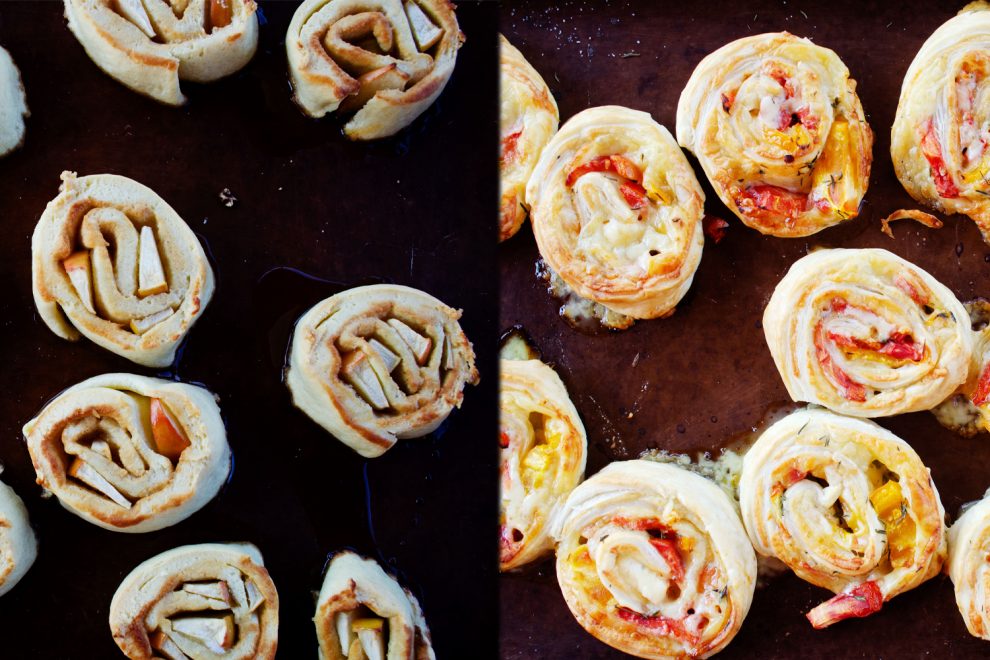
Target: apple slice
[
  {"x": 344, "y": 622},
  {"x": 390, "y": 359},
  {"x": 255, "y": 599},
  {"x": 165, "y": 646},
  {"x": 102, "y": 447},
  {"x": 372, "y": 636},
  {"x": 77, "y": 268},
  {"x": 141, "y": 326},
  {"x": 221, "y": 13},
  {"x": 358, "y": 372},
  {"x": 134, "y": 11},
  {"x": 387, "y": 77},
  {"x": 424, "y": 31},
  {"x": 215, "y": 633},
  {"x": 448, "y": 353},
  {"x": 419, "y": 344},
  {"x": 85, "y": 473},
  {"x": 211, "y": 590},
  {"x": 169, "y": 438},
  {"x": 151, "y": 275}
]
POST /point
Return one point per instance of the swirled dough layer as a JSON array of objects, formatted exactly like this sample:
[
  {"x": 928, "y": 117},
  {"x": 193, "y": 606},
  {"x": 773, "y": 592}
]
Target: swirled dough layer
[
  {"x": 13, "y": 105},
  {"x": 969, "y": 568},
  {"x": 18, "y": 545}
]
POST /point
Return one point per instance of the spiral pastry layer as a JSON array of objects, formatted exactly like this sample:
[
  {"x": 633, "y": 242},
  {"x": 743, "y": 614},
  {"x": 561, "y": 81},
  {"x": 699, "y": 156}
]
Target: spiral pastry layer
[
  {"x": 866, "y": 333},
  {"x": 13, "y": 105},
  {"x": 528, "y": 119},
  {"x": 653, "y": 560},
  {"x": 942, "y": 127},
  {"x": 384, "y": 60},
  {"x": 778, "y": 129},
  {"x": 377, "y": 363},
  {"x": 543, "y": 452},
  {"x": 969, "y": 568},
  {"x": 616, "y": 210},
  {"x": 130, "y": 453},
  {"x": 150, "y": 45},
  {"x": 847, "y": 505},
  {"x": 363, "y": 613},
  {"x": 18, "y": 545},
  {"x": 209, "y": 601},
  {"x": 113, "y": 262}
]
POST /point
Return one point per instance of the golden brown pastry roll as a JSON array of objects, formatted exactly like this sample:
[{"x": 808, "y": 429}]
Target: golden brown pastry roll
[
  {"x": 866, "y": 333},
  {"x": 528, "y": 120},
  {"x": 197, "y": 602},
  {"x": 377, "y": 363},
  {"x": 362, "y": 614},
  {"x": 778, "y": 129},
  {"x": 113, "y": 262},
  {"x": 18, "y": 545},
  {"x": 150, "y": 45},
  {"x": 942, "y": 127},
  {"x": 847, "y": 505},
  {"x": 969, "y": 547},
  {"x": 130, "y": 453},
  {"x": 616, "y": 210},
  {"x": 385, "y": 61},
  {"x": 653, "y": 560},
  {"x": 13, "y": 105},
  {"x": 543, "y": 452}
]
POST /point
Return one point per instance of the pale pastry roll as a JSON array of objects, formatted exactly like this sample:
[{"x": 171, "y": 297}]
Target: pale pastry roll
[
  {"x": 150, "y": 45},
  {"x": 18, "y": 545},
  {"x": 847, "y": 505},
  {"x": 942, "y": 127},
  {"x": 778, "y": 129},
  {"x": 113, "y": 262},
  {"x": 362, "y": 614},
  {"x": 866, "y": 333},
  {"x": 653, "y": 560},
  {"x": 197, "y": 602},
  {"x": 385, "y": 61},
  {"x": 527, "y": 121},
  {"x": 542, "y": 457},
  {"x": 130, "y": 453},
  {"x": 13, "y": 105},
  {"x": 977, "y": 387},
  {"x": 969, "y": 567},
  {"x": 616, "y": 210},
  {"x": 378, "y": 363}
]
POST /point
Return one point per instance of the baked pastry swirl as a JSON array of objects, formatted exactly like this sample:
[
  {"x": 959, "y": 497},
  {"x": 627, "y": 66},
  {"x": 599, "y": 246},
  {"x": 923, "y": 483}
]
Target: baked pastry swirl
[
  {"x": 150, "y": 45},
  {"x": 616, "y": 210},
  {"x": 543, "y": 452},
  {"x": 847, "y": 505},
  {"x": 942, "y": 127},
  {"x": 362, "y": 613},
  {"x": 113, "y": 262},
  {"x": 13, "y": 105},
  {"x": 527, "y": 121},
  {"x": 778, "y": 129},
  {"x": 653, "y": 560},
  {"x": 969, "y": 547},
  {"x": 386, "y": 61},
  {"x": 18, "y": 545},
  {"x": 377, "y": 363},
  {"x": 866, "y": 333},
  {"x": 130, "y": 453},
  {"x": 197, "y": 602}
]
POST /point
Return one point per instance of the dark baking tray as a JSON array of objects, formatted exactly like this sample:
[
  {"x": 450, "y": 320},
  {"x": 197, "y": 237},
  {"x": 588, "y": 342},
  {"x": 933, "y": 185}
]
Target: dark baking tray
[
  {"x": 705, "y": 374},
  {"x": 406, "y": 210}
]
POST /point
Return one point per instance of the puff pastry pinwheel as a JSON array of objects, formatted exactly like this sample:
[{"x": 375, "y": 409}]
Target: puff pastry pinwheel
[
  {"x": 942, "y": 127},
  {"x": 362, "y": 613},
  {"x": 528, "y": 120},
  {"x": 130, "y": 453},
  {"x": 866, "y": 333},
  {"x": 969, "y": 568},
  {"x": 616, "y": 210},
  {"x": 386, "y": 61},
  {"x": 778, "y": 129},
  {"x": 113, "y": 262},
  {"x": 197, "y": 602},
  {"x": 377, "y": 363},
  {"x": 150, "y": 45},
  {"x": 13, "y": 105},
  {"x": 847, "y": 505},
  {"x": 653, "y": 560},
  {"x": 18, "y": 546},
  {"x": 543, "y": 452}
]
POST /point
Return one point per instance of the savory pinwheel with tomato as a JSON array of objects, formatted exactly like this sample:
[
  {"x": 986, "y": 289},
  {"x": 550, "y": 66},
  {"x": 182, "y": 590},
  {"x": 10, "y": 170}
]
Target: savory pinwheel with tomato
[
  {"x": 777, "y": 127},
  {"x": 847, "y": 505},
  {"x": 969, "y": 566}
]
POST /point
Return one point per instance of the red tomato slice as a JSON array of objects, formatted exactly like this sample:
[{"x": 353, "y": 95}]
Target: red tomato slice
[
  {"x": 862, "y": 600},
  {"x": 932, "y": 150}
]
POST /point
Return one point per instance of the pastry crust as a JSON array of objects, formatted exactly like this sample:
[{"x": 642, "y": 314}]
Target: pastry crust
[
  {"x": 18, "y": 545},
  {"x": 653, "y": 560},
  {"x": 90, "y": 215},
  {"x": 330, "y": 72},
  {"x": 969, "y": 545},
  {"x": 528, "y": 119},
  {"x": 616, "y": 211},
  {"x": 358, "y": 587},
  {"x": 377, "y": 363},
  {"x": 866, "y": 333},
  {"x": 542, "y": 458},
  {"x": 107, "y": 424},
  {"x": 219, "y": 580},
  {"x": 843, "y": 502},
  {"x": 778, "y": 129},
  {"x": 13, "y": 105},
  {"x": 942, "y": 127}
]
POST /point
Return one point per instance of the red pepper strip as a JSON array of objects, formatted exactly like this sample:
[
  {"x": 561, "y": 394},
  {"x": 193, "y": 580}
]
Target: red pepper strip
[
  {"x": 932, "y": 150},
  {"x": 808, "y": 120},
  {"x": 899, "y": 345},
  {"x": 728, "y": 100},
  {"x": 773, "y": 200},
  {"x": 714, "y": 227},
  {"x": 634, "y": 194},
  {"x": 851, "y": 390},
  {"x": 660, "y": 624},
  {"x": 982, "y": 393},
  {"x": 503, "y": 440},
  {"x": 645, "y": 524},
  {"x": 668, "y": 550},
  {"x": 911, "y": 291},
  {"x": 509, "y": 143},
  {"x": 616, "y": 164},
  {"x": 862, "y": 600}
]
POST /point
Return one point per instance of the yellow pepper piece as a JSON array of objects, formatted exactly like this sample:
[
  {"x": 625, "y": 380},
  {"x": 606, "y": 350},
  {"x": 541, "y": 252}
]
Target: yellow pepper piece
[
  {"x": 900, "y": 528},
  {"x": 886, "y": 501},
  {"x": 836, "y": 173},
  {"x": 979, "y": 173}
]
